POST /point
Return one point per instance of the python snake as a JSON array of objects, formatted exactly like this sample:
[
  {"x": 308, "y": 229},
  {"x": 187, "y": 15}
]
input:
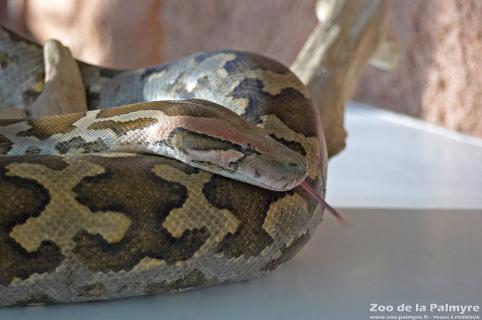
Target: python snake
[{"x": 95, "y": 207}]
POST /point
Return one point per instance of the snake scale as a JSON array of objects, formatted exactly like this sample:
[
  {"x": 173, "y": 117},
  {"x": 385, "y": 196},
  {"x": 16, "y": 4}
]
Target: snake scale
[{"x": 89, "y": 211}]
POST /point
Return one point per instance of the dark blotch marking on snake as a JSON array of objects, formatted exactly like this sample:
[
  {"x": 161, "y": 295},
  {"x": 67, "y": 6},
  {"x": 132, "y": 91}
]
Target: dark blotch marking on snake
[
  {"x": 5, "y": 59},
  {"x": 290, "y": 106},
  {"x": 250, "y": 205},
  {"x": 93, "y": 98},
  {"x": 146, "y": 200},
  {"x": 22, "y": 199},
  {"x": 186, "y": 140},
  {"x": 122, "y": 127},
  {"x": 5, "y": 144},
  {"x": 152, "y": 70},
  {"x": 30, "y": 96},
  {"x": 108, "y": 73},
  {"x": 79, "y": 143}
]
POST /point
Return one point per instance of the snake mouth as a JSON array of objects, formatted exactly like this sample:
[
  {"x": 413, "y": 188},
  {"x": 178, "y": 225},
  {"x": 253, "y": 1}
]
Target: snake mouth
[
  {"x": 289, "y": 181},
  {"x": 283, "y": 184}
]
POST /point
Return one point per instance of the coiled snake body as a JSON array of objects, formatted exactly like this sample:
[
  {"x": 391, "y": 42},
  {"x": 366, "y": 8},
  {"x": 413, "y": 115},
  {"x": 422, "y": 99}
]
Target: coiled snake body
[{"x": 91, "y": 211}]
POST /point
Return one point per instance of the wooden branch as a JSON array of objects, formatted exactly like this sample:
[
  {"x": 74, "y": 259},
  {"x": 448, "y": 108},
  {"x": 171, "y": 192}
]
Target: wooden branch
[
  {"x": 334, "y": 56},
  {"x": 387, "y": 54},
  {"x": 64, "y": 89}
]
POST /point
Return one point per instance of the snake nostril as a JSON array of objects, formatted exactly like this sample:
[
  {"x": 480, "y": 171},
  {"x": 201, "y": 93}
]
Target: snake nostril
[{"x": 296, "y": 169}]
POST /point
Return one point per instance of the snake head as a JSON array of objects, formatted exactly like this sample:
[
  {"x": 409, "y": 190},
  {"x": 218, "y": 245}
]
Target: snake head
[
  {"x": 210, "y": 137},
  {"x": 269, "y": 164}
]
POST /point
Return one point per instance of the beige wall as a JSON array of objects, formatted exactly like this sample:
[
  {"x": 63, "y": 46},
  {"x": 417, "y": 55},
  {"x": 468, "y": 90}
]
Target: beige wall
[
  {"x": 440, "y": 73},
  {"x": 439, "y": 77}
]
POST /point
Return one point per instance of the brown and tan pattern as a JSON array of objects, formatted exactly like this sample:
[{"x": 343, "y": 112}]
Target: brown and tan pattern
[
  {"x": 75, "y": 217},
  {"x": 154, "y": 197}
]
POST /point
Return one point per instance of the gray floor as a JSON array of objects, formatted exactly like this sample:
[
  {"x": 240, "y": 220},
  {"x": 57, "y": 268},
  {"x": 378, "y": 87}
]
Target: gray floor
[
  {"x": 413, "y": 195},
  {"x": 393, "y": 161}
]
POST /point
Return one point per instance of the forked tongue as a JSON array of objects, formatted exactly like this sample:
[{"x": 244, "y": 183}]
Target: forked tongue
[{"x": 312, "y": 192}]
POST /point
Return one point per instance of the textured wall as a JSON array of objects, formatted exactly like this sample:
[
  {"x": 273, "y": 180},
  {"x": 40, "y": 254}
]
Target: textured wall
[
  {"x": 116, "y": 33},
  {"x": 277, "y": 28},
  {"x": 440, "y": 73}
]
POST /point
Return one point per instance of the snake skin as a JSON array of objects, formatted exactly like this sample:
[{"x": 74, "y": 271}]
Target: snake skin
[{"x": 110, "y": 225}]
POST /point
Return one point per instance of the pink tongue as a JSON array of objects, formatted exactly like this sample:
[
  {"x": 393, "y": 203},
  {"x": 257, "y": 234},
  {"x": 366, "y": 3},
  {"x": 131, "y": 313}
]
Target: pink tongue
[{"x": 318, "y": 199}]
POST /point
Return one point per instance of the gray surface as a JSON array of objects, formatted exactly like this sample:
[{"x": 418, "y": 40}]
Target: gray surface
[
  {"x": 393, "y": 161},
  {"x": 386, "y": 256}
]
